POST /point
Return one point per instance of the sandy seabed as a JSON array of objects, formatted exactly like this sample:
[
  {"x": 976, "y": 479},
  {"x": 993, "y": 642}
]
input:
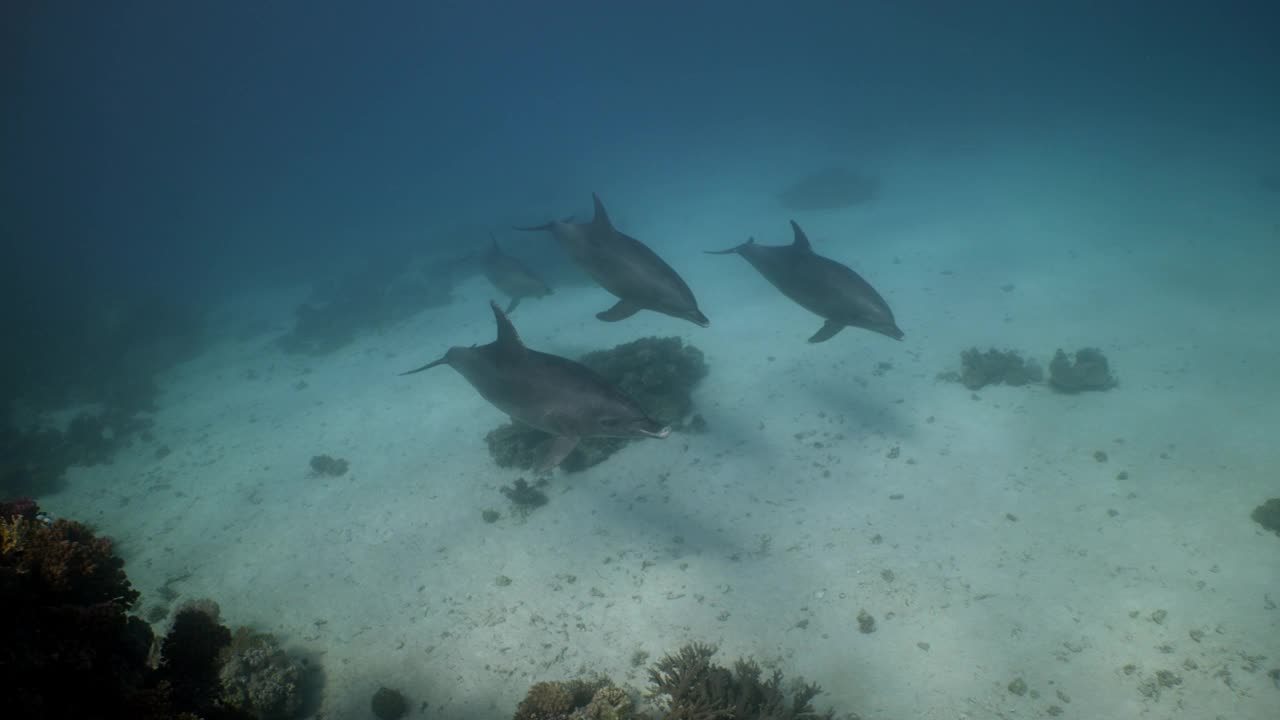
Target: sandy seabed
[{"x": 979, "y": 530}]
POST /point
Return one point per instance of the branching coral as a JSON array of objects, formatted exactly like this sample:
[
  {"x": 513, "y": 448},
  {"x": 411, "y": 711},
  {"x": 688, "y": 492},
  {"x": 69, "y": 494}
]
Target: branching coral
[{"x": 694, "y": 688}]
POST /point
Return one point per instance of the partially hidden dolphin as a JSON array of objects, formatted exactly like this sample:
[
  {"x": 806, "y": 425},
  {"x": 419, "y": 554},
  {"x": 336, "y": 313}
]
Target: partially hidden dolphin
[
  {"x": 548, "y": 392},
  {"x": 512, "y": 277},
  {"x": 820, "y": 285},
  {"x": 625, "y": 267}
]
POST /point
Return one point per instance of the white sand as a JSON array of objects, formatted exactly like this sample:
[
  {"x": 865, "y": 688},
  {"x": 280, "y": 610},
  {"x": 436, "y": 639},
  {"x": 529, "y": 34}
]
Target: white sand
[{"x": 770, "y": 533}]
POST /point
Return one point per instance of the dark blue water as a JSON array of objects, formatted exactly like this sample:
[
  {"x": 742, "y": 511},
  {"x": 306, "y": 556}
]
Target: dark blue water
[
  {"x": 173, "y": 145},
  {"x": 174, "y": 153}
]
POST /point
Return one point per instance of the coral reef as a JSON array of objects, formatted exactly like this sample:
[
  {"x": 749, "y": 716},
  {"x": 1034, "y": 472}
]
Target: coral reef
[
  {"x": 69, "y": 648},
  {"x": 694, "y": 688},
  {"x": 659, "y": 373},
  {"x": 259, "y": 678},
  {"x": 1268, "y": 515},
  {"x": 992, "y": 367},
  {"x": 328, "y": 465},
  {"x": 1088, "y": 370}
]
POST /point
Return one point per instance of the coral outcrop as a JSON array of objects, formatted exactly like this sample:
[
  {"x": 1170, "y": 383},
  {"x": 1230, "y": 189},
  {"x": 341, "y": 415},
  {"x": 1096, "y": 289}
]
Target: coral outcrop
[
  {"x": 259, "y": 678},
  {"x": 388, "y": 704},
  {"x": 1268, "y": 515},
  {"x": 993, "y": 367},
  {"x": 1088, "y": 369},
  {"x": 575, "y": 700},
  {"x": 659, "y": 373},
  {"x": 67, "y": 645},
  {"x": 328, "y": 465},
  {"x": 189, "y": 658},
  {"x": 69, "y": 648}
]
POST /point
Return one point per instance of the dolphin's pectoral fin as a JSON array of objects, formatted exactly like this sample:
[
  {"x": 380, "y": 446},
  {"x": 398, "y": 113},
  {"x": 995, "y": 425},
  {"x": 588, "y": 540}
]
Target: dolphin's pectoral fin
[
  {"x": 511, "y": 306},
  {"x": 556, "y": 450},
  {"x": 620, "y": 311},
  {"x": 827, "y": 331}
]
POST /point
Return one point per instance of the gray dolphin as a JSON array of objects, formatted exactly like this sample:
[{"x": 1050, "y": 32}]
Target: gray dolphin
[
  {"x": 820, "y": 285},
  {"x": 625, "y": 267},
  {"x": 511, "y": 276},
  {"x": 548, "y": 392}
]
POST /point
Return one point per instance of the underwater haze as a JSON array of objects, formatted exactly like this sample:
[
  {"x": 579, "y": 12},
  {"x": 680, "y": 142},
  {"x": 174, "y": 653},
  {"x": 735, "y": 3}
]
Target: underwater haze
[{"x": 980, "y": 423}]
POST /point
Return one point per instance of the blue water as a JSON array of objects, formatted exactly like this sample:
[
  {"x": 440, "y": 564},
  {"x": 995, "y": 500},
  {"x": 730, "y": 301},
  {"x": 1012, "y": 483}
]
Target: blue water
[{"x": 176, "y": 176}]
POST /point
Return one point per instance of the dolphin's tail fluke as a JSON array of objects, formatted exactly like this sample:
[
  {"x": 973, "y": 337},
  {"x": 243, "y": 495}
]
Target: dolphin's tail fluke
[
  {"x": 442, "y": 361},
  {"x": 733, "y": 250}
]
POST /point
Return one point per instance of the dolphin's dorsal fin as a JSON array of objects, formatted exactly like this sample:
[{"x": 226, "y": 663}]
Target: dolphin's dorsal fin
[
  {"x": 802, "y": 241},
  {"x": 508, "y": 341},
  {"x": 601, "y": 218}
]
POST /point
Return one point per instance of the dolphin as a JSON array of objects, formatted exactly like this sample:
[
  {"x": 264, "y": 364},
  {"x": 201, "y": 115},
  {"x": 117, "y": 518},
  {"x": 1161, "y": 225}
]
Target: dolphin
[
  {"x": 820, "y": 285},
  {"x": 625, "y": 267},
  {"x": 511, "y": 276},
  {"x": 548, "y": 392}
]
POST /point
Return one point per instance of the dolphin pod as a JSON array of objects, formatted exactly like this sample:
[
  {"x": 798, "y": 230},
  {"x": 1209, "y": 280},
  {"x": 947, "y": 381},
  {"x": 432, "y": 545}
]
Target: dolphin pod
[{"x": 568, "y": 400}]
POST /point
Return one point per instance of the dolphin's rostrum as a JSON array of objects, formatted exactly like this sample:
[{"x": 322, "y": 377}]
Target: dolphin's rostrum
[
  {"x": 548, "y": 392},
  {"x": 820, "y": 285},
  {"x": 625, "y": 267}
]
